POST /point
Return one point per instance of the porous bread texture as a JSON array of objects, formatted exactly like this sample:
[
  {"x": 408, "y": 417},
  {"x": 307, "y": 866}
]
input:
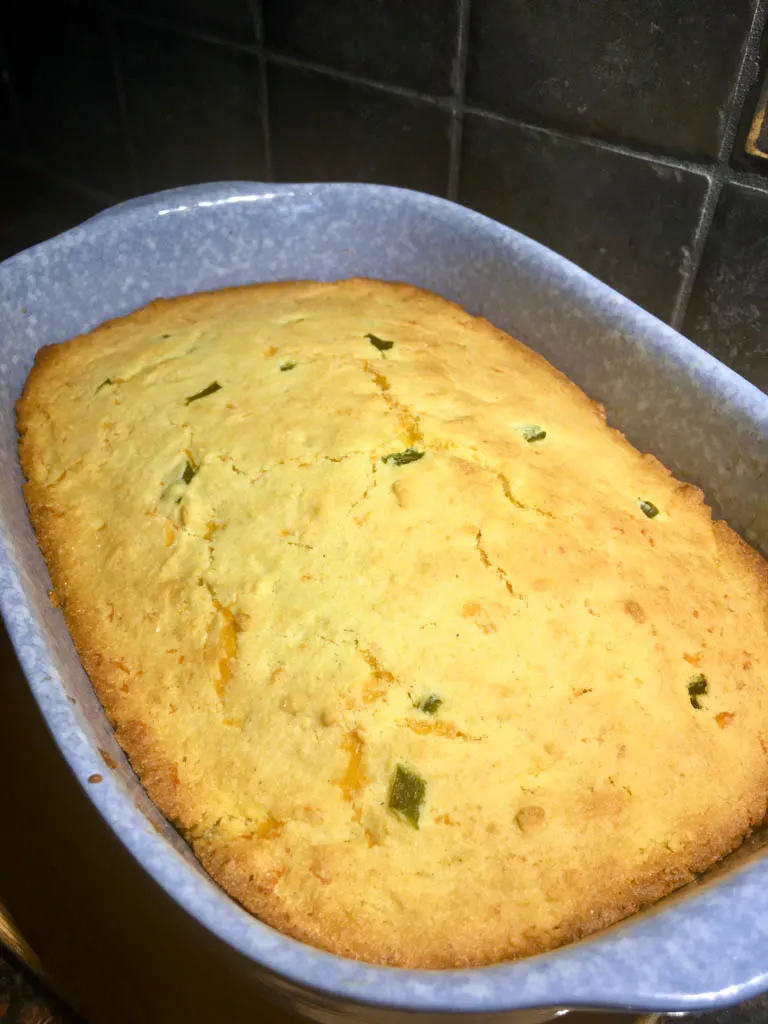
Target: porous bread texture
[{"x": 266, "y": 601}]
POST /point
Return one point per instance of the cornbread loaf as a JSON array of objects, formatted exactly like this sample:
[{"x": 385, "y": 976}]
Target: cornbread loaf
[{"x": 430, "y": 665}]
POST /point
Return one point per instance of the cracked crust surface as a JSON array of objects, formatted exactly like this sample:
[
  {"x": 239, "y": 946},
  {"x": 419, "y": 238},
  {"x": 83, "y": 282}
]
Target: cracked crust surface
[{"x": 264, "y": 605}]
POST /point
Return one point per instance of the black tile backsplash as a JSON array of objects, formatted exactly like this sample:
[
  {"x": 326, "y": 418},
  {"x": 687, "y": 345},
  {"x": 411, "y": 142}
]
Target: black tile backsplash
[
  {"x": 232, "y": 20},
  {"x": 657, "y": 73},
  {"x": 628, "y": 221},
  {"x": 408, "y": 43},
  {"x": 63, "y": 81},
  {"x": 32, "y": 208},
  {"x": 613, "y": 132},
  {"x": 8, "y": 124},
  {"x": 324, "y": 129},
  {"x": 728, "y": 312},
  {"x": 193, "y": 108}
]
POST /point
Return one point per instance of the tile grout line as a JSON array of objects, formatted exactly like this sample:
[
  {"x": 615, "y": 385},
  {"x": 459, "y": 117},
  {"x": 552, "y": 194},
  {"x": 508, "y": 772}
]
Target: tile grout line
[
  {"x": 108, "y": 22},
  {"x": 257, "y": 12},
  {"x": 696, "y": 251},
  {"x": 459, "y": 80},
  {"x": 748, "y": 66},
  {"x": 284, "y": 60},
  {"x": 677, "y": 163},
  {"x": 722, "y": 172},
  {"x": 749, "y": 180}
]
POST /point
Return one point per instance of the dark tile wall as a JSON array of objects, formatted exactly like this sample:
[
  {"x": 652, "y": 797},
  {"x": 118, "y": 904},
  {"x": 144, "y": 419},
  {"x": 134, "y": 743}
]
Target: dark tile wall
[
  {"x": 33, "y": 207},
  {"x": 328, "y": 129},
  {"x": 63, "y": 80},
  {"x": 231, "y": 20},
  {"x": 728, "y": 312},
  {"x": 624, "y": 218},
  {"x": 400, "y": 42},
  {"x": 192, "y": 108},
  {"x": 654, "y": 73},
  {"x": 614, "y": 132}
]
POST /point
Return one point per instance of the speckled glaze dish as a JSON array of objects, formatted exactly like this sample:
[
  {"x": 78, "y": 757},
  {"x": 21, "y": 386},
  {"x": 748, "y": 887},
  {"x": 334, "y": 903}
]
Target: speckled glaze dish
[{"x": 705, "y": 948}]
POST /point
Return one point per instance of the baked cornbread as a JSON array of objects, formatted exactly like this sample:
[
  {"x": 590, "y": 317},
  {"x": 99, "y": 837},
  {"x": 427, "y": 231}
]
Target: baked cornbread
[{"x": 430, "y": 666}]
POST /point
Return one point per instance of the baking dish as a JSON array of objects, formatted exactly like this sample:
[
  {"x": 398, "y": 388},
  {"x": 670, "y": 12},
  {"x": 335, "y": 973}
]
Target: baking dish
[{"x": 707, "y": 424}]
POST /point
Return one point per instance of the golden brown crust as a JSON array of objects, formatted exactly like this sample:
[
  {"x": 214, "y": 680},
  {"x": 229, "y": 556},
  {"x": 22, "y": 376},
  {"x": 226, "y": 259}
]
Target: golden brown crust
[{"x": 263, "y": 643}]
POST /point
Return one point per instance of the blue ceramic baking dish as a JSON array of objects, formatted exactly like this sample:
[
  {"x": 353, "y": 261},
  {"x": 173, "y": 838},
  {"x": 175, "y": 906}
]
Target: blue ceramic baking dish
[{"x": 704, "y": 948}]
